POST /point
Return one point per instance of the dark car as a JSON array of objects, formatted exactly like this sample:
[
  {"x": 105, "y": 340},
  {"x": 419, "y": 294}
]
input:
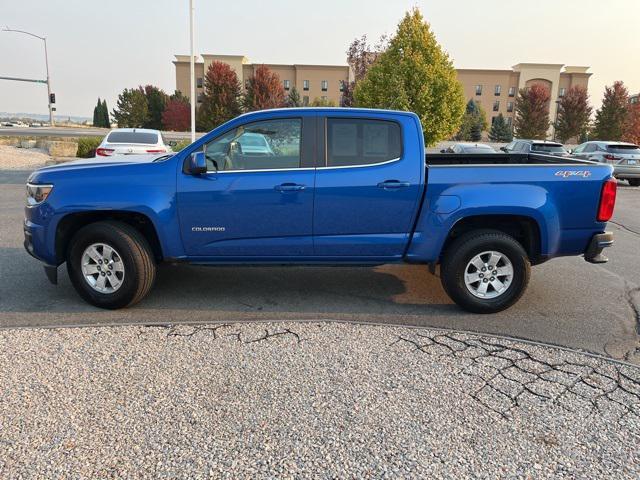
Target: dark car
[
  {"x": 469, "y": 148},
  {"x": 536, "y": 146}
]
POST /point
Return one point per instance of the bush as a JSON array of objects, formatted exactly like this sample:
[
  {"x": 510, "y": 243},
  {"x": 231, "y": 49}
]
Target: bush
[
  {"x": 180, "y": 145},
  {"x": 87, "y": 146}
]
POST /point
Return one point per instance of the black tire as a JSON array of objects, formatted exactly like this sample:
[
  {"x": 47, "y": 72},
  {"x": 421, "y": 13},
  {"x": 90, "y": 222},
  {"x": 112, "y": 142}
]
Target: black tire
[
  {"x": 634, "y": 182},
  {"x": 135, "y": 253},
  {"x": 460, "y": 253}
]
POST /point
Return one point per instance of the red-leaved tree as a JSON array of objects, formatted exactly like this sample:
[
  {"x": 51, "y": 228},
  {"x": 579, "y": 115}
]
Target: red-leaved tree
[
  {"x": 221, "y": 98},
  {"x": 264, "y": 91},
  {"x": 177, "y": 115},
  {"x": 574, "y": 113},
  {"x": 632, "y": 126},
  {"x": 532, "y": 112}
]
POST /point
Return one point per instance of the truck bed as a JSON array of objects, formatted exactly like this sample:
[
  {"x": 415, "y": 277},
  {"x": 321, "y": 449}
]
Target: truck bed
[{"x": 499, "y": 159}]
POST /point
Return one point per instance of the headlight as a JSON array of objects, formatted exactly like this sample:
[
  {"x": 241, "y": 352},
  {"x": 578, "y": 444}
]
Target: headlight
[{"x": 37, "y": 193}]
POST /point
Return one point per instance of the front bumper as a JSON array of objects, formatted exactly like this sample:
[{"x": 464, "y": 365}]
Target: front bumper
[
  {"x": 598, "y": 243},
  {"x": 31, "y": 230}
]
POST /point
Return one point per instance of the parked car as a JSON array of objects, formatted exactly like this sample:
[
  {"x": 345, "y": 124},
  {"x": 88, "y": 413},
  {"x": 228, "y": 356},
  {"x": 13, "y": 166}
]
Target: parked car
[
  {"x": 625, "y": 158},
  {"x": 254, "y": 144},
  {"x": 536, "y": 146},
  {"x": 469, "y": 148},
  {"x": 345, "y": 187},
  {"x": 133, "y": 141}
]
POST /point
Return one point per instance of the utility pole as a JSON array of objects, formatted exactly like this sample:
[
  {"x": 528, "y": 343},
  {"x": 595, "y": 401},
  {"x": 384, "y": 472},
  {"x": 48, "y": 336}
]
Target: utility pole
[
  {"x": 192, "y": 73},
  {"x": 46, "y": 61}
]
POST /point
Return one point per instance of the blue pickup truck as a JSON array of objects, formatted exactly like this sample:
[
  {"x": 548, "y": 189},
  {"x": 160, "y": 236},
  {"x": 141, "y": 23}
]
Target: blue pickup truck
[{"x": 318, "y": 186}]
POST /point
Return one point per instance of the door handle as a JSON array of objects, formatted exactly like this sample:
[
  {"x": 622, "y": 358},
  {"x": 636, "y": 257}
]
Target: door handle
[
  {"x": 289, "y": 187},
  {"x": 393, "y": 184}
]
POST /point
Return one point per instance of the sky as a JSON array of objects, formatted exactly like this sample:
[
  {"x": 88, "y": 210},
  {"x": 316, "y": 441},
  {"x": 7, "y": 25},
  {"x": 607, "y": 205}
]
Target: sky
[{"x": 98, "y": 48}]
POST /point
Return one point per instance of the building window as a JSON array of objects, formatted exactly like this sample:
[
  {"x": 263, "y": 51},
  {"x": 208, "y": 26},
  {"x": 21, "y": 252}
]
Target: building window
[
  {"x": 342, "y": 86},
  {"x": 305, "y": 101},
  {"x": 305, "y": 85},
  {"x": 325, "y": 85},
  {"x": 199, "y": 82},
  {"x": 562, "y": 91},
  {"x": 512, "y": 91},
  {"x": 493, "y": 120},
  {"x": 498, "y": 90},
  {"x": 287, "y": 84},
  {"x": 478, "y": 89},
  {"x": 509, "y": 106},
  {"x": 496, "y": 105},
  {"x": 509, "y": 121},
  {"x": 246, "y": 84},
  {"x": 200, "y": 97}
]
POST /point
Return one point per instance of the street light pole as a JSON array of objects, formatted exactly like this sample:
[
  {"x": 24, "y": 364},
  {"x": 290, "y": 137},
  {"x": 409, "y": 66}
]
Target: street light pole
[
  {"x": 192, "y": 73},
  {"x": 46, "y": 60}
]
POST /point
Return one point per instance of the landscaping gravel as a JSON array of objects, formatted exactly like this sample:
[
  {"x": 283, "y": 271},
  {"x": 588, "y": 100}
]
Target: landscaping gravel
[
  {"x": 12, "y": 158},
  {"x": 322, "y": 400}
]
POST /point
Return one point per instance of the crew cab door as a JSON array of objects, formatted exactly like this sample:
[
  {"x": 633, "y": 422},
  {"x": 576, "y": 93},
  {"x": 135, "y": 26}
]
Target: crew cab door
[
  {"x": 256, "y": 200},
  {"x": 367, "y": 187}
]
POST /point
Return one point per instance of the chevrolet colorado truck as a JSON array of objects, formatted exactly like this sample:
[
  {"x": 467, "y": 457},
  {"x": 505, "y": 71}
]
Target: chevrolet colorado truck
[{"x": 314, "y": 187}]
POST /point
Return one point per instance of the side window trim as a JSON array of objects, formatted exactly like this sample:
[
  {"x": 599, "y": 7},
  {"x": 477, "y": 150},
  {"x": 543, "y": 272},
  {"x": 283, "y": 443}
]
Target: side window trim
[{"x": 323, "y": 131}]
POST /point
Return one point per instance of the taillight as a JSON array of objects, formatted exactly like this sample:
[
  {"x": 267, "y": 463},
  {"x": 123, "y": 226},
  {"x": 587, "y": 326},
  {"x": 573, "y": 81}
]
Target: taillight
[
  {"x": 607, "y": 200},
  {"x": 158, "y": 150},
  {"x": 611, "y": 158},
  {"x": 104, "y": 152}
]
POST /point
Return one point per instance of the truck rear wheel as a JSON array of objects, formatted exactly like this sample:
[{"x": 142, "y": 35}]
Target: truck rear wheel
[
  {"x": 634, "y": 182},
  {"x": 110, "y": 264},
  {"x": 485, "y": 271}
]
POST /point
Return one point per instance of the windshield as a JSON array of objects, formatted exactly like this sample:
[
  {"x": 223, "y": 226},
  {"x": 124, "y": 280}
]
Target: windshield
[
  {"x": 133, "y": 137},
  {"x": 623, "y": 149},
  {"x": 547, "y": 147}
]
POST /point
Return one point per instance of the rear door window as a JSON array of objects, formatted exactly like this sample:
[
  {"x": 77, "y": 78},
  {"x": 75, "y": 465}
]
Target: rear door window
[
  {"x": 359, "y": 141},
  {"x": 148, "y": 138}
]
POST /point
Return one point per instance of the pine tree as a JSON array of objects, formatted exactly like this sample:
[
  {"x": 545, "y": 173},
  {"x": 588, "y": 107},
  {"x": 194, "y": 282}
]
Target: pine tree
[
  {"x": 106, "y": 122},
  {"x": 612, "y": 117},
  {"x": 500, "y": 131},
  {"x": 293, "y": 99},
  {"x": 415, "y": 74},
  {"x": 532, "y": 112},
  {"x": 474, "y": 122},
  {"x": 96, "y": 114}
]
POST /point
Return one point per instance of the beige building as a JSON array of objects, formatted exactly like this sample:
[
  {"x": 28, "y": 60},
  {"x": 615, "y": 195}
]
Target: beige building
[
  {"x": 495, "y": 90},
  {"x": 323, "y": 82}
]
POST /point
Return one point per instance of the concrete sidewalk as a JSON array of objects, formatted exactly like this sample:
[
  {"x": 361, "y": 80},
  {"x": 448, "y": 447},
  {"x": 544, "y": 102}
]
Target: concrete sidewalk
[{"x": 327, "y": 400}]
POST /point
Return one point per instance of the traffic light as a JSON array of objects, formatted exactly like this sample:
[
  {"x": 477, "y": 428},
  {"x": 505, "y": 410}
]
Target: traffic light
[{"x": 52, "y": 98}]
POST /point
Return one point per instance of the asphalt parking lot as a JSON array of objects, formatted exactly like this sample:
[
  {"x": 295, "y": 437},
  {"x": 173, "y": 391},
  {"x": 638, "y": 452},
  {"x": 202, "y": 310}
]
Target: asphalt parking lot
[{"x": 569, "y": 302}]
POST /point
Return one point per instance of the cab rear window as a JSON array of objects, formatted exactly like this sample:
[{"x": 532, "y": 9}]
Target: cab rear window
[{"x": 133, "y": 137}]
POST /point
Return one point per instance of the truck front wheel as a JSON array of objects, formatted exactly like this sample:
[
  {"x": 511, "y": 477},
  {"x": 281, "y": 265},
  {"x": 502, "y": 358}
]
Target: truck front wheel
[
  {"x": 110, "y": 264},
  {"x": 485, "y": 271}
]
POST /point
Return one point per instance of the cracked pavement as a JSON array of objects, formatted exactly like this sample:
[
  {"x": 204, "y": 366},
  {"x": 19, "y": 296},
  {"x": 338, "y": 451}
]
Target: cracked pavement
[{"x": 325, "y": 400}]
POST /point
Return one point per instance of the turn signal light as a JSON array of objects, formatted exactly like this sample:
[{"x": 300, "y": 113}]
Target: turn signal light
[
  {"x": 158, "y": 150},
  {"x": 607, "y": 200}
]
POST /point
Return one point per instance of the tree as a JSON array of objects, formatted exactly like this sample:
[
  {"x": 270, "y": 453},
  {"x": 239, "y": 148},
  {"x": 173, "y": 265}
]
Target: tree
[
  {"x": 221, "y": 97},
  {"x": 97, "y": 114},
  {"x": 177, "y": 115},
  {"x": 293, "y": 99},
  {"x": 322, "y": 102},
  {"x": 265, "y": 90},
  {"x": 415, "y": 74},
  {"x": 360, "y": 56},
  {"x": 612, "y": 116},
  {"x": 106, "y": 122},
  {"x": 532, "y": 112},
  {"x": 474, "y": 123},
  {"x": 574, "y": 113},
  {"x": 500, "y": 131},
  {"x": 131, "y": 109},
  {"x": 632, "y": 126},
  {"x": 156, "y": 102}
]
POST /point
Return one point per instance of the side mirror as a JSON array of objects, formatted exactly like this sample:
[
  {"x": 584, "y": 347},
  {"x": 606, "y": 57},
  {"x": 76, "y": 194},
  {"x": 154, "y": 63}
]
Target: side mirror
[
  {"x": 197, "y": 163},
  {"x": 172, "y": 143}
]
